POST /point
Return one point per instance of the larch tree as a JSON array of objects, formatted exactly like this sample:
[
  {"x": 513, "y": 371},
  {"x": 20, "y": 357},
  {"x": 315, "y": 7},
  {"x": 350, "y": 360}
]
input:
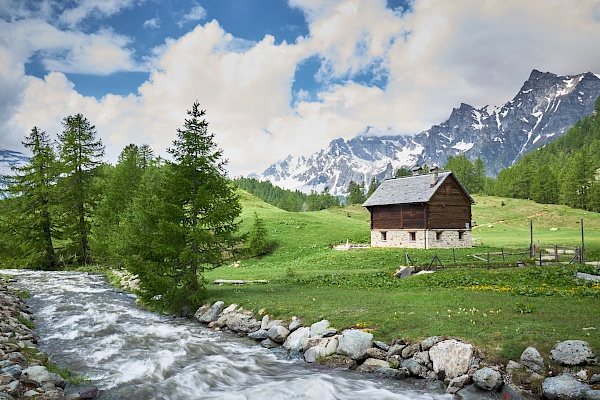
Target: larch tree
[
  {"x": 32, "y": 190},
  {"x": 80, "y": 155}
]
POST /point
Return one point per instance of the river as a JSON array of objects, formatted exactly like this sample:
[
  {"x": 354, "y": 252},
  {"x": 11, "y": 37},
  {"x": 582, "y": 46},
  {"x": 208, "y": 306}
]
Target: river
[{"x": 129, "y": 353}]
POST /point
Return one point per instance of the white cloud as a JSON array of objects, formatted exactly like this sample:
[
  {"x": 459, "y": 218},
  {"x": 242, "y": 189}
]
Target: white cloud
[
  {"x": 86, "y": 8},
  {"x": 468, "y": 51},
  {"x": 153, "y": 23},
  {"x": 197, "y": 13}
]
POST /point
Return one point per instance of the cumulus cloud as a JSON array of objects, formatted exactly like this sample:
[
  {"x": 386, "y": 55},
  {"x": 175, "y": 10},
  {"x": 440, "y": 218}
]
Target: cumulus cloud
[{"x": 433, "y": 58}]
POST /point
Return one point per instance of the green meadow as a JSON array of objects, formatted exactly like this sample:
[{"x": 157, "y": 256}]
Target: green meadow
[{"x": 475, "y": 294}]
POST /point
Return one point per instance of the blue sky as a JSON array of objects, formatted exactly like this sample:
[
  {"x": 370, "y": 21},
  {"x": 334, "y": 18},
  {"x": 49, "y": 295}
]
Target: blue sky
[{"x": 276, "y": 77}]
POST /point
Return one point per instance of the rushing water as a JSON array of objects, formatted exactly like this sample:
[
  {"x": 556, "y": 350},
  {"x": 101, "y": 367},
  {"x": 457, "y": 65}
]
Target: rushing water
[{"x": 130, "y": 353}]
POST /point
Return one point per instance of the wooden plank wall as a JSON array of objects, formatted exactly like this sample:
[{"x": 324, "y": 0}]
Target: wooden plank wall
[{"x": 449, "y": 208}]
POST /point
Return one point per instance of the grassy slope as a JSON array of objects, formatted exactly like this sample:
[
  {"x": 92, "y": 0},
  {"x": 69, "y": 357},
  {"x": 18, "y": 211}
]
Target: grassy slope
[{"x": 493, "y": 309}]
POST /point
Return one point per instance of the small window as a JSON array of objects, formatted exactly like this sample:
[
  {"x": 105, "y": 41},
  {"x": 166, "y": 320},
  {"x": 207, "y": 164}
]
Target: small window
[
  {"x": 461, "y": 235},
  {"x": 438, "y": 236},
  {"x": 383, "y": 236},
  {"x": 413, "y": 236}
]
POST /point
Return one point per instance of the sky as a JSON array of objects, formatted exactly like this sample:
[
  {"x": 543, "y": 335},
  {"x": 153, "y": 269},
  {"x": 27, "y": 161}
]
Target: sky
[{"x": 276, "y": 77}]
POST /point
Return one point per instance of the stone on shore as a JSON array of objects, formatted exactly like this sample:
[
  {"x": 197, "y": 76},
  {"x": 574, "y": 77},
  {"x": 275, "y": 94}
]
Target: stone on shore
[
  {"x": 573, "y": 352},
  {"x": 487, "y": 379},
  {"x": 354, "y": 344},
  {"x": 451, "y": 357},
  {"x": 563, "y": 387}
]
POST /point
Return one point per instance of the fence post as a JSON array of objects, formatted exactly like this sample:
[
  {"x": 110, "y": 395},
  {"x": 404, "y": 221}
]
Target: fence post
[
  {"x": 502, "y": 250},
  {"x": 556, "y": 254},
  {"x": 540, "y": 257},
  {"x": 454, "y": 256},
  {"x": 488, "y": 259}
]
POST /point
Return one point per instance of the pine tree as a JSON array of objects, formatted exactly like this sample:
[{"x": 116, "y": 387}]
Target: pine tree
[
  {"x": 256, "y": 240},
  {"x": 183, "y": 220},
  {"x": 356, "y": 193},
  {"x": 372, "y": 186},
  {"x": 121, "y": 184},
  {"x": 80, "y": 155},
  {"x": 32, "y": 200}
]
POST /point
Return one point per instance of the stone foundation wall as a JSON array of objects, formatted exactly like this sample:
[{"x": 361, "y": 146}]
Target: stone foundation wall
[{"x": 422, "y": 239}]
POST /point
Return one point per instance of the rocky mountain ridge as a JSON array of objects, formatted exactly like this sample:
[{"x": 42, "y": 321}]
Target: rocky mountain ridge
[{"x": 545, "y": 107}]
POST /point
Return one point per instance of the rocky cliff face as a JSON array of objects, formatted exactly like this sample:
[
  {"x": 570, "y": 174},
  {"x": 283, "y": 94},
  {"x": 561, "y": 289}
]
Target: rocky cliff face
[{"x": 544, "y": 109}]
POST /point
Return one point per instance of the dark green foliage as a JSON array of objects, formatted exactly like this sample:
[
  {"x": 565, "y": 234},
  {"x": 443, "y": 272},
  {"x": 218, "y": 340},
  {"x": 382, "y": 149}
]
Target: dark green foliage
[
  {"x": 372, "y": 186},
  {"x": 402, "y": 172},
  {"x": 182, "y": 220},
  {"x": 286, "y": 199},
  {"x": 464, "y": 169},
  {"x": 257, "y": 243},
  {"x": 120, "y": 187},
  {"x": 27, "y": 220},
  {"x": 356, "y": 193},
  {"x": 80, "y": 155}
]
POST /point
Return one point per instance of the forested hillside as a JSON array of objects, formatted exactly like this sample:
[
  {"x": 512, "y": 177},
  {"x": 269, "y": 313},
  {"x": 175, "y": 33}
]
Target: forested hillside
[{"x": 566, "y": 171}]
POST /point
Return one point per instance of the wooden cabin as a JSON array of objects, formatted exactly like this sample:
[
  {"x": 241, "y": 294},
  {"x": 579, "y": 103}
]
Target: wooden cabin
[{"x": 421, "y": 211}]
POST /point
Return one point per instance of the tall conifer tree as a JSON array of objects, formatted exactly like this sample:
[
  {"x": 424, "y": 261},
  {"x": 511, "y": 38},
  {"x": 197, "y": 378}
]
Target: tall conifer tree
[
  {"x": 32, "y": 196},
  {"x": 80, "y": 155}
]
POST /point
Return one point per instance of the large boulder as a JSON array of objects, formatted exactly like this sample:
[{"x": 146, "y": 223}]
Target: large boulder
[
  {"x": 354, "y": 344},
  {"x": 295, "y": 340},
  {"x": 563, "y": 387},
  {"x": 451, "y": 357},
  {"x": 487, "y": 379},
  {"x": 533, "y": 361},
  {"x": 211, "y": 315},
  {"x": 573, "y": 352}
]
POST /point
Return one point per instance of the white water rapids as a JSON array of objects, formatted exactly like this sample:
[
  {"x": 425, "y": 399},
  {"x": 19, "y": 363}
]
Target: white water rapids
[{"x": 129, "y": 353}]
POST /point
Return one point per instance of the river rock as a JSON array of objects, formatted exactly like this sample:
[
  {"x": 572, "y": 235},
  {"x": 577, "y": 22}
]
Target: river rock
[
  {"x": 472, "y": 392},
  {"x": 595, "y": 379},
  {"x": 374, "y": 352},
  {"x": 318, "y": 328},
  {"x": 372, "y": 364},
  {"x": 410, "y": 350},
  {"x": 269, "y": 344},
  {"x": 244, "y": 323},
  {"x": 88, "y": 393},
  {"x": 430, "y": 342},
  {"x": 264, "y": 324},
  {"x": 392, "y": 373},
  {"x": 573, "y": 352},
  {"x": 458, "y": 383},
  {"x": 6, "y": 396},
  {"x": 422, "y": 357},
  {"x": 592, "y": 395},
  {"x": 278, "y": 334},
  {"x": 415, "y": 368},
  {"x": 451, "y": 357},
  {"x": 563, "y": 387},
  {"x": 354, "y": 344},
  {"x": 487, "y": 379},
  {"x": 295, "y": 324},
  {"x": 314, "y": 341},
  {"x": 295, "y": 340},
  {"x": 260, "y": 334},
  {"x": 396, "y": 350},
  {"x": 14, "y": 370},
  {"x": 533, "y": 361},
  {"x": 381, "y": 345},
  {"x": 212, "y": 314},
  {"x": 38, "y": 374},
  {"x": 316, "y": 353},
  {"x": 337, "y": 361}
]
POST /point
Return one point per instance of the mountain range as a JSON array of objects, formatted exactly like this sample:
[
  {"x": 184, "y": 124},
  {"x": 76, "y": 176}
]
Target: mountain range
[{"x": 545, "y": 107}]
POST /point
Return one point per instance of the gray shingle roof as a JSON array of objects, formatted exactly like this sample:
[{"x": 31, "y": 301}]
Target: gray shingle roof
[{"x": 410, "y": 189}]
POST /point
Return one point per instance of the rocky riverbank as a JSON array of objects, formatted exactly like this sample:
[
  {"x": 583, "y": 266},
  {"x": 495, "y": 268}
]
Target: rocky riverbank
[
  {"x": 570, "y": 372},
  {"x": 23, "y": 367}
]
